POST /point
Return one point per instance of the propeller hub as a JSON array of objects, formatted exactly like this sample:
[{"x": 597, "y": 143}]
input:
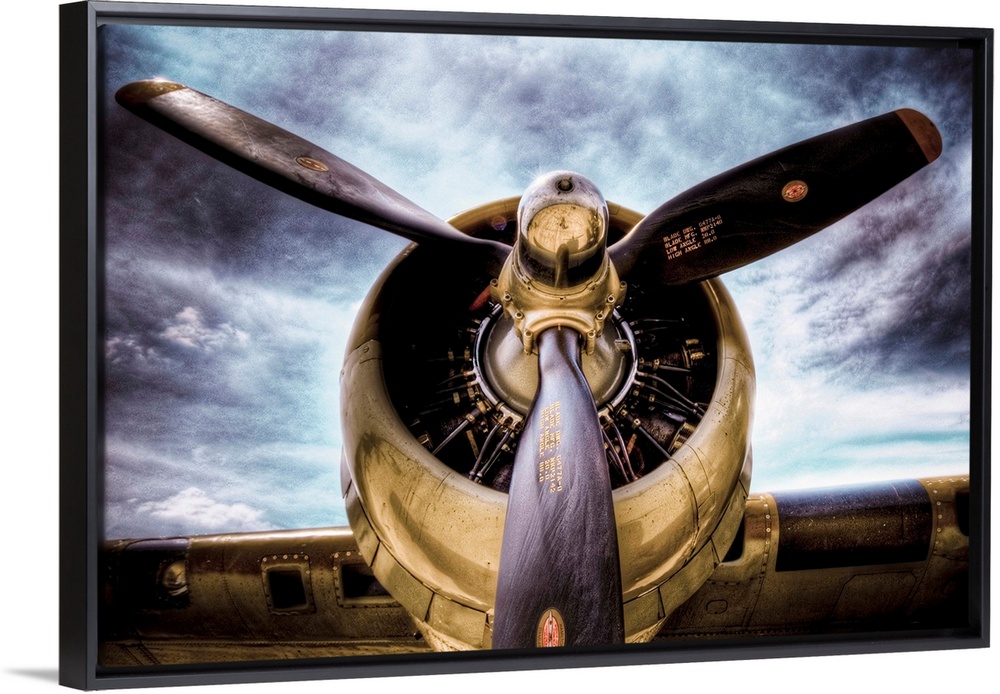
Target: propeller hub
[
  {"x": 508, "y": 378},
  {"x": 562, "y": 223},
  {"x": 560, "y": 274}
]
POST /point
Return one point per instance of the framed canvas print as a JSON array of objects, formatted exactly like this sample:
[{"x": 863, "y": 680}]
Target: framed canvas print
[{"x": 416, "y": 342}]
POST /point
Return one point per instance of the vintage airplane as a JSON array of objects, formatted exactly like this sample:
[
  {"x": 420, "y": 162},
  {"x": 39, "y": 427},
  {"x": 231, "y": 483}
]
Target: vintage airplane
[{"x": 547, "y": 411}]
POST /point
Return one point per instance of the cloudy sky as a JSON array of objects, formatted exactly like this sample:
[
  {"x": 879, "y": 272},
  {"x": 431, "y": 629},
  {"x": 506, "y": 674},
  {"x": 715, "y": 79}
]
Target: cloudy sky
[{"x": 227, "y": 305}]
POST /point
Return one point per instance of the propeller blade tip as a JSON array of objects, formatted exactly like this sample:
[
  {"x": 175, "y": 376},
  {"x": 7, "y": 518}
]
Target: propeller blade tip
[
  {"x": 924, "y": 132},
  {"x": 138, "y": 93}
]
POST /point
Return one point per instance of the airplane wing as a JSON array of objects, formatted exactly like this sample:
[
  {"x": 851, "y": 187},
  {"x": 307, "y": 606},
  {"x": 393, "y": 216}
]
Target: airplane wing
[
  {"x": 885, "y": 556},
  {"x": 244, "y": 597}
]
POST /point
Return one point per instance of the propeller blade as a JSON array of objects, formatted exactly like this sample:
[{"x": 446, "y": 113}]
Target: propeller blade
[
  {"x": 770, "y": 203},
  {"x": 289, "y": 163},
  {"x": 559, "y": 581}
]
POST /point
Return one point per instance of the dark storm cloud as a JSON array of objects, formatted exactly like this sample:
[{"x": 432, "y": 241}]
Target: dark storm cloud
[
  {"x": 933, "y": 334},
  {"x": 888, "y": 289},
  {"x": 228, "y": 305},
  {"x": 869, "y": 77},
  {"x": 925, "y": 279}
]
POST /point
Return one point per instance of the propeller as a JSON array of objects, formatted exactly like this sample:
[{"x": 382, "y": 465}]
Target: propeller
[
  {"x": 293, "y": 165},
  {"x": 559, "y": 582},
  {"x": 770, "y": 203},
  {"x": 559, "y": 576}
]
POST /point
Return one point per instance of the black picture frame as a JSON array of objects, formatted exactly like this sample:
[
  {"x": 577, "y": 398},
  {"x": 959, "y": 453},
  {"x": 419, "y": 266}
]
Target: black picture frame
[{"x": 81, "y": 324}]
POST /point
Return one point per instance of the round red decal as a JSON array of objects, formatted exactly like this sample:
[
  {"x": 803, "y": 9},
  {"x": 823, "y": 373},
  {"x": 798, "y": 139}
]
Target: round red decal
[{"x": 794, "y": 191}]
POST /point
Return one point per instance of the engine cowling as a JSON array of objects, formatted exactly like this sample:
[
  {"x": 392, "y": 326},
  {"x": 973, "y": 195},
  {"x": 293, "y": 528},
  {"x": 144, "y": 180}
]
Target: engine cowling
[{"x": 426, "y": 406}]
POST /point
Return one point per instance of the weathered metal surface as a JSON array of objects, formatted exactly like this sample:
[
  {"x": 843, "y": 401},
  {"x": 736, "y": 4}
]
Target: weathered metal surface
[
  {"x": 854, "y": 526},
  {"x": 750, "y": 594},
  {"x": 227, "y": 615},
  {"x": 444, "y": 530},
  {"x": 233, "y": 592}
]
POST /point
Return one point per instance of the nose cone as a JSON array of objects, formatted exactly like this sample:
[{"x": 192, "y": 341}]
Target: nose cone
[{"x": 562, "y": 229}]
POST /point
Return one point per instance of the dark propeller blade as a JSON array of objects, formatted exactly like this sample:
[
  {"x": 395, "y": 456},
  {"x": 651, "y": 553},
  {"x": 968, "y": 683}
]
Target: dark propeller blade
[
  {"x": 559, "y": 582},
  {"x": 770, "y": 203},
  {"x": 291, "y": 164}
]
